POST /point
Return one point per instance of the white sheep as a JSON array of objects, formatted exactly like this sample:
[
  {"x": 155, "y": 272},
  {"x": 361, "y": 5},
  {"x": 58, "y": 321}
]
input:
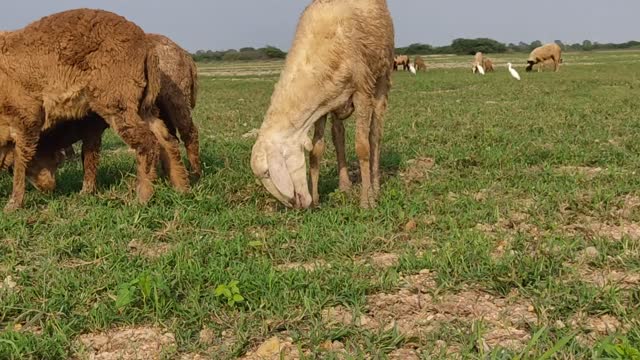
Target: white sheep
[{"x": 342, "y": 53}]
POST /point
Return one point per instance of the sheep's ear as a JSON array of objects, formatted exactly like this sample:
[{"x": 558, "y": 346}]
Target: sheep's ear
[{"x": 279, "y": 174}]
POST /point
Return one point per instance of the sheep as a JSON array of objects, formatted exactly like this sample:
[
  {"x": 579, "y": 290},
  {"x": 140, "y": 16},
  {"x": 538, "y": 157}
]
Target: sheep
[
  {"x": 401, "y": 60},
  {"x": 488, "y": 65},
  {"x": 69, "y": 64},
  {"x": 352, "y": 42},
  {"x": 177, "y": 97},
  {"x": 420, "y": 64},
  {"x": 477, "y": 61},
  {"x": 543, "y": 53}
]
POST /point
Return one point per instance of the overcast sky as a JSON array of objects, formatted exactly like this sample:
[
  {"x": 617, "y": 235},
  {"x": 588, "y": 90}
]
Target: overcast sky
[{"x": 223, "y": 24}]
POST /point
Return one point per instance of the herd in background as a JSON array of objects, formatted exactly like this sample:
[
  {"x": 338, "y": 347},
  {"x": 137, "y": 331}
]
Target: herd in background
[
  {"x": 549, "y": 53},
  {"x": 69, "y": 76}
]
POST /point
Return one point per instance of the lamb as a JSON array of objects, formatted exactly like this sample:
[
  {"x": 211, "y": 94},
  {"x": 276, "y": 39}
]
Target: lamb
[
  {"x": 69, "y": 64},
  {"x": 401, "y": 60},
  {"x": 478, "y": 60},
  {"x": 420, "y": 64},
  {"x": 488, "y": 65},
  {"x": 352, "y": 42},
  {"x": 177, "y": 97},
  {"x": 543, "y": 53}
]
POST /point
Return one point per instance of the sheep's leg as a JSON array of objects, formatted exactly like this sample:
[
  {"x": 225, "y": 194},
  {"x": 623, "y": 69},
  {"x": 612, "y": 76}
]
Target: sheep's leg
[
  {"x": 137, "y": 134},
  {"x": 377, "y": 129},
  {"x": 170, "y": 155},
  {"x": 364, "y": 113},
  {"x": 25, "y": 149},
  {"x": 337, "y": 134},
  {"x": 315, "y": 157},
  {"x": 91, "y": 143},
  {"x": 178, "y": 115}
]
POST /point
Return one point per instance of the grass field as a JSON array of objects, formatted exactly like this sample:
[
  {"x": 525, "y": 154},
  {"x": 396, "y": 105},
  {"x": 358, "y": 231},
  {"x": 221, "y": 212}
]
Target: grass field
[{"x": 508, "y": 227}]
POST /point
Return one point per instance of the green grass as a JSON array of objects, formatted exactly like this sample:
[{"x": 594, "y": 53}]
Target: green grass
[{"x": 70, "y": 254}]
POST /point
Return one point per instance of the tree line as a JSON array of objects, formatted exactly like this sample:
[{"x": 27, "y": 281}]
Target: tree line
[
  {"x": 247, "y": 53},
  {"x": 458, "y": 47}
]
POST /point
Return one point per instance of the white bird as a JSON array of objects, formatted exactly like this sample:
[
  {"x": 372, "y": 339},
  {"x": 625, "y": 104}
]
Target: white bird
[
  {"x": 480, "y": 69},
  {"x": 412, "y": 69},
  {"x": 513, "y": 72}
]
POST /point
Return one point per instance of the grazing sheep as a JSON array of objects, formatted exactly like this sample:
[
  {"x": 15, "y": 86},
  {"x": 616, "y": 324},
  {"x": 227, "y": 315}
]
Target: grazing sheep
[
  {"x": 352, "y": 43},
  {"x": 176, "y": 99},
  {"x": 401, "y": 60},
  {"x": 69, "y": 64},
  {"x": 477, "y": 62},
  {"x": 488, "y": 65},
  {"x": 420, "y": 64},
  {"x": 544, "y": 53}
]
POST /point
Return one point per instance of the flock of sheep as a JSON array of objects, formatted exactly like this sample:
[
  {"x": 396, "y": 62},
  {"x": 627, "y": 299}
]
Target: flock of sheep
[
  {"x": 69, "y": 76},
  {"x": 481, "y": 64}
]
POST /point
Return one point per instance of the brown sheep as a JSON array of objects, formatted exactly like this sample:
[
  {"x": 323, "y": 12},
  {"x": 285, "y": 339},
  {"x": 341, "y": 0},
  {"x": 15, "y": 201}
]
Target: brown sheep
[
  {"x": 420, "y": 64},
  {"x": 488, "y": 65},
  {"x": 66, "y": 65},
  {"x": 352, "y": 42},
  {"x": 177, "y": 97},
  {"x": 401, "y": 60},
  {"x": 543, "y": 53}
]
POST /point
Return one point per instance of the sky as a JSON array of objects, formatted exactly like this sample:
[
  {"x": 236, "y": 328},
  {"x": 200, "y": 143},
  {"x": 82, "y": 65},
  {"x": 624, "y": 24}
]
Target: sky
[{"x": 225, "y": 24}]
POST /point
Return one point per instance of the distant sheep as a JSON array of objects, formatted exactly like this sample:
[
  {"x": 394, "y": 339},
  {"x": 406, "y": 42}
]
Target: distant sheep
[
  {"x": 488, "y": 65},
  {"x": 478, "y": 60},
  {"x": 69, "y": 64},
  {"x": 401, "y": 60},
  {"x": 353, "y": 44},
  {"x": 420, "y": 64},
  {"x": 544, "y": 53}
]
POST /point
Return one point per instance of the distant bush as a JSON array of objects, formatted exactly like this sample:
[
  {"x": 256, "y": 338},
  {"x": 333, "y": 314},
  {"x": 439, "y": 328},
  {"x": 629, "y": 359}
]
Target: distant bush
[{"x": 244, "y": 54}]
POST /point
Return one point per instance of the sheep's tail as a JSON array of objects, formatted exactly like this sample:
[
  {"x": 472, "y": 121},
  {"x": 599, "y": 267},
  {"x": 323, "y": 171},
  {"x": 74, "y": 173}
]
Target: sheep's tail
[
  {"x": 194, "y": 84},
  {"x": 152, "y": 73}
]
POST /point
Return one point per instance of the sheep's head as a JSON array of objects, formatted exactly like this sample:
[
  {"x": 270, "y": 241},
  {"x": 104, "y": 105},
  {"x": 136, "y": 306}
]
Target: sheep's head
[
  {"x": 530, "y": 65},
  {"x": 279, "y": 162},
  {"x": 41, "y": 170}
]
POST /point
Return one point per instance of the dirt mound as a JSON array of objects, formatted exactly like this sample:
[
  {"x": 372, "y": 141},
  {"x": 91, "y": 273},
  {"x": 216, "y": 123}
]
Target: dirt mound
[{"x": 139, "y": 343}]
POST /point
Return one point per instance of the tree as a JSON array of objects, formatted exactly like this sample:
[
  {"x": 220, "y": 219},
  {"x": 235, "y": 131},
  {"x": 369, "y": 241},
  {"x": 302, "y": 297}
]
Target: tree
[
  {"x": 535, "y": 44},
  {"x": 587, "y": 45},
  {"x": 471, "y": 46}
]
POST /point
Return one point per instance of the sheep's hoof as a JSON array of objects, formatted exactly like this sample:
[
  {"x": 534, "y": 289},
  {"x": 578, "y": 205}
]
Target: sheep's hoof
[
  {"x": 368, "y": 202},
  {"x": 345, "y": 186},
  {"x": 12, "y": 206},
  {"x": 145, "y": 192}
]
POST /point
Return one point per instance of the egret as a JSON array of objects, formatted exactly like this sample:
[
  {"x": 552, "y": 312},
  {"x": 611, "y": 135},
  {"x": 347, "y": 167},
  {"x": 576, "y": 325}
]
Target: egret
[
  {"x": 480, "y": 69},
  {"x": 412, "y": 69},
  {"x": 513, "y": 72}
]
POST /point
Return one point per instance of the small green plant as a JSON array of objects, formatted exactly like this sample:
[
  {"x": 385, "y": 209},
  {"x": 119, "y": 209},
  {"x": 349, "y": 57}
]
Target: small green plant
[
  {"x": 146, "y": 287},
  {"x": 231, "y": 292},
  {"x": 619, "y": 349}
]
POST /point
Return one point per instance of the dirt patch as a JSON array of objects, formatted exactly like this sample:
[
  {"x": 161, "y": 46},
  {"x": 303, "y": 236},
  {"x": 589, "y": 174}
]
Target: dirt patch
[
  {"x": 8, "y": 285},
  {"x": 506, "y": 229},
  {"x": 151, "y": 251},
  {"x": 630, "y": 203},
  {"x": 309, "y": 266},
  {"x": 275, "y": 348},
  {"x": 404, "y": 354},
  {"x": 140, "y": 343},
  {"x": 595, "y": 327},
  {"x": 418, "y": 169},
  {"x": 507, "y": 320},
  {"x": 610, "y": 278},
  {"x": 384, "y": 260},
  {"x": 586, "y": 171},
  {"x": 615, "y": 232},
  {"x": 415, "y": 312}
]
